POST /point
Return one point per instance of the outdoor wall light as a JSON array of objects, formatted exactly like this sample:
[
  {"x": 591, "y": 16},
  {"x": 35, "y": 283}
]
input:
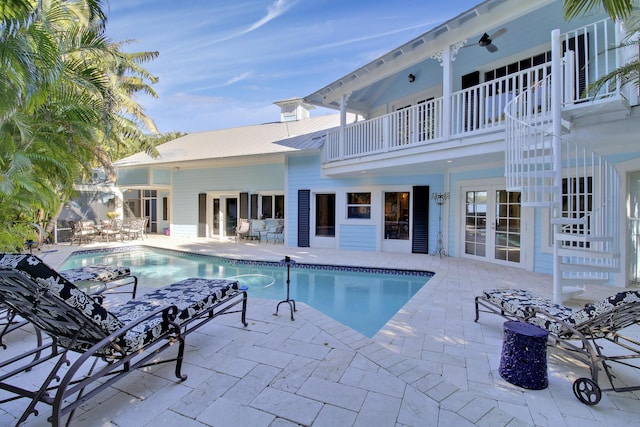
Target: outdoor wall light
[{"x": 412, "y": 78}]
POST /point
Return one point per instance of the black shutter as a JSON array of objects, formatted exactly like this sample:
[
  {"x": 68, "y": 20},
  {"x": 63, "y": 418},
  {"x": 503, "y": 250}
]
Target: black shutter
[
  {"x": 244, "y": 206},
  {"x": 304, "y": 212},
  {"x": 202, "y": 215},
  {"x": 420, "y": 238}
]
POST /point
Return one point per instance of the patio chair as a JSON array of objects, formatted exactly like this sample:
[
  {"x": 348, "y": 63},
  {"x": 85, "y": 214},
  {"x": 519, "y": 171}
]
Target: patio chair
[
  {"x": 133, "y": 228},
  {"x": 242, "y": 231},
  {"x": 83, "y": 231},
  {"x": 95, "y": 347},
  {"x": 591, "y": 334},
  {"x": 111, "y": 228},
  {"x": 277, "y": 234}
]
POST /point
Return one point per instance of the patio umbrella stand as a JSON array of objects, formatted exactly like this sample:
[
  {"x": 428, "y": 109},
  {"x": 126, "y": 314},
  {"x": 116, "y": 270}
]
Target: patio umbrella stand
[{"x": 292, "y": 304}]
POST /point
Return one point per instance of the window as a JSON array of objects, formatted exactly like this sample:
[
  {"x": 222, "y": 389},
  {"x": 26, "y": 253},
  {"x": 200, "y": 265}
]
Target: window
[
  {"x": 396, "y": 216},
  {"x": 271, "y": 206},
  {"x": 267, "y": 207},
  {"x": 359, "y": 205},
  {"x": 508, "y": 226},
  {"x": 279, "y": 206},
  {"x": 326, "y": 215}
]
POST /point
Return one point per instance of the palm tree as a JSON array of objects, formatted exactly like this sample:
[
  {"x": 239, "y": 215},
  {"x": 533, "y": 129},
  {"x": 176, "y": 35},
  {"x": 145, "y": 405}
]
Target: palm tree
[
  {"x": 616, "y": 9},
  {"x": 65, "y": 95}
]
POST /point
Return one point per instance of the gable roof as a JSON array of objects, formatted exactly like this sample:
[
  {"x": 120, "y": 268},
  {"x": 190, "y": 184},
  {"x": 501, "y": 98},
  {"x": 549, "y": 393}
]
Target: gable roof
[{"x": 243, "y": 141}]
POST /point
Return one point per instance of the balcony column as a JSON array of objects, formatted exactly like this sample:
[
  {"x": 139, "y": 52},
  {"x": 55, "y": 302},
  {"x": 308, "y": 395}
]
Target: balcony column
[
  {"x": 343, "y": 122},
  {"x": 446, "y": 57},
  {"x": 447, "y": 81}
]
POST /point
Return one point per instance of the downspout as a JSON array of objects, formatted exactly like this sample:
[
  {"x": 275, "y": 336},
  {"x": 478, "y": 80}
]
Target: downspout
[{"x": 556, "y": 116}]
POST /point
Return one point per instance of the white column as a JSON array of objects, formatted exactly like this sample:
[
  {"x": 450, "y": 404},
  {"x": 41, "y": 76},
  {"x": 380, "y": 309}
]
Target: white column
[
  {"x": 343, "y": 122},
  {"x": 447, "y": 77}
]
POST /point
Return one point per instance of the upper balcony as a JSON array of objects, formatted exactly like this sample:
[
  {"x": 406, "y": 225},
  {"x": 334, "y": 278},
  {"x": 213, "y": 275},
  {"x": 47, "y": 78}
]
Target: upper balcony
[{"x": 476, "y": 114}]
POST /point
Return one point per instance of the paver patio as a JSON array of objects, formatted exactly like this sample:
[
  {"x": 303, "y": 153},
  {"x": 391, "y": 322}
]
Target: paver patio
[{"x": 431, "y": 365}]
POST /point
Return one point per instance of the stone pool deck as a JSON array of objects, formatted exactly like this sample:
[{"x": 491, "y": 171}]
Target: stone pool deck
[{"x": 431, "y": 365}]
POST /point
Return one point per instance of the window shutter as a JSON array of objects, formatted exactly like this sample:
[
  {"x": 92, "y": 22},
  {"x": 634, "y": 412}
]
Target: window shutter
[
  {"x": 420, "y": 238},
  {"x": 304, "y": 212}
]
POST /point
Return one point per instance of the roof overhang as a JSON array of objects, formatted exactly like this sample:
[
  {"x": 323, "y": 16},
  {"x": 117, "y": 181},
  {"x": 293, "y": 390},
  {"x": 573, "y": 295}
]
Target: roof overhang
[{"x": 454, "y": 32}]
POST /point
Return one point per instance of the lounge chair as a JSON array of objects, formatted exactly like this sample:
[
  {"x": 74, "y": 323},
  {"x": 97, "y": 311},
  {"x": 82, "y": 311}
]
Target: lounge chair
[
  {"x": 93, "y": 279},
  {"x": 584, "y": 333},
  {"x": 94, "y": 347},
  {"x": 112, "y": 276}
]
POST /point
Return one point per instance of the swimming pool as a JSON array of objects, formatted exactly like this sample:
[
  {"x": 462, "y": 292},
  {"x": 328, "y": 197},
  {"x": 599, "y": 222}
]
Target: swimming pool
[{"x": 362, "y": 298}]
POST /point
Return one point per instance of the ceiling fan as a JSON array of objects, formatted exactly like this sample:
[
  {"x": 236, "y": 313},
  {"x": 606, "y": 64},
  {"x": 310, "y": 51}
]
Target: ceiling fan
[{"x": 487, "y": 40}]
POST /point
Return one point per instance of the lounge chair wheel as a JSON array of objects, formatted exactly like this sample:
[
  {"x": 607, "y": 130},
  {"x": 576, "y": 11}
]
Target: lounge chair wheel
[{"x": 587, "y": 391}]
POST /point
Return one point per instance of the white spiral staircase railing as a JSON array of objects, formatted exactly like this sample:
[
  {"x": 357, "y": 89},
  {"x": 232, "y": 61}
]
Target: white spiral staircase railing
[{"x": 580, "y": 188}]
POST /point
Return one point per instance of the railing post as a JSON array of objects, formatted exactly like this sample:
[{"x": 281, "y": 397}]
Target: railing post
[{"x": 556, "y": 117}]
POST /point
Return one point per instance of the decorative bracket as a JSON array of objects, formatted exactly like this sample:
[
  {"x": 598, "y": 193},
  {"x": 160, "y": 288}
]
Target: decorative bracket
[{"x": 453, "y": 50}]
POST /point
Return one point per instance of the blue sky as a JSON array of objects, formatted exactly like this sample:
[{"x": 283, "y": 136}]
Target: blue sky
[{"x": 223, "y": 63}]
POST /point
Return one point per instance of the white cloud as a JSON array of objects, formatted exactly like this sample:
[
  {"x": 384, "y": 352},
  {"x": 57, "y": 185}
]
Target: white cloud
[
  {"x": 239, "y": 78},
  {"x": 276, "y": 9},
  {"x": 273, "y": 11}
]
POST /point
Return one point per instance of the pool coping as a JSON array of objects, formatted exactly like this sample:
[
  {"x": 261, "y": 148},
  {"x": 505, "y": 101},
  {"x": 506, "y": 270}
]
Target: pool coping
[{"x": 232, "y": 261}]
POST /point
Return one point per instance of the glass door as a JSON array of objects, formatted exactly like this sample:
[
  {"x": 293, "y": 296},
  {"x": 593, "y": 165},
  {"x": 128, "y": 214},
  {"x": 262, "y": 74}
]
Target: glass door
[
  {"x": 634, "y": 228},
  {"x": 492, "y": 225},
  {"x": 231, "y": 215},
  {"x": 150, "y": 210},
  {"x": 216, "y": 217}
]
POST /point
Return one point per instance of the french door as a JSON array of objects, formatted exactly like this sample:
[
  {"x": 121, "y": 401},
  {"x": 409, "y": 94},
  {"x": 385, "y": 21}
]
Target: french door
[{"x": 492, "y": 225}]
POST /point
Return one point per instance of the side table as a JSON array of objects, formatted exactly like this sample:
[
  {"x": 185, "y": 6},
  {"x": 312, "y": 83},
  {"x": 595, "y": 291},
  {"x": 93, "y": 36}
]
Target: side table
[{"x": 524, "y": 355}]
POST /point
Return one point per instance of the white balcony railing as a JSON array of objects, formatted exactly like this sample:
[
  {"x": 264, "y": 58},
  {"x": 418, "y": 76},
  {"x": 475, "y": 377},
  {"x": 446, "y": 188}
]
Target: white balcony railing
[
  {"x": 476, "y": 109},
  {"x": 403, "y": 128},
  {"x": 589, "y": 54}
]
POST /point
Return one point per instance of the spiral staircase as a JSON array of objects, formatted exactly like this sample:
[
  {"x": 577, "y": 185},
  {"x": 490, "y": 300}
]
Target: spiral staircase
[{"x": 579, "y": 187}]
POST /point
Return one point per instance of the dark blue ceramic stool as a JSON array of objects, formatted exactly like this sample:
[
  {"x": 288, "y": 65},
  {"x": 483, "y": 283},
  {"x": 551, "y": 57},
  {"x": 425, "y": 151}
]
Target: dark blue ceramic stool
[{"x": 524, "y": 355}]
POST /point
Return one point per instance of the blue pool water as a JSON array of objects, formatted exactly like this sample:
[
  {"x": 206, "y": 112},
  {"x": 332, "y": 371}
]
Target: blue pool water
[{"x": 363, "y": 299}]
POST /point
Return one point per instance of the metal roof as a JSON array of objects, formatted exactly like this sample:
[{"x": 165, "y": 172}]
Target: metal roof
[{"x": 267, "y": 138}]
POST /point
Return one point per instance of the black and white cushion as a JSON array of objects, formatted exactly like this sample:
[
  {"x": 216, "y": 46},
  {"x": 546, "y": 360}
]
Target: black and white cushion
[
  {"x": 192, "y": 297},
  {"x": 584, "y": 317},
  {"x": 526, "y": 305},
  {"x": 98, "y": 272},
  {"x": 521, "y": 303}
]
